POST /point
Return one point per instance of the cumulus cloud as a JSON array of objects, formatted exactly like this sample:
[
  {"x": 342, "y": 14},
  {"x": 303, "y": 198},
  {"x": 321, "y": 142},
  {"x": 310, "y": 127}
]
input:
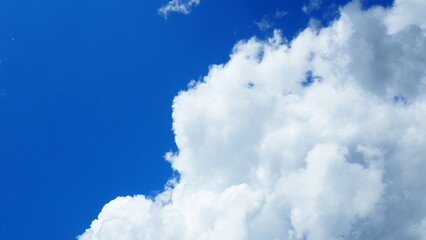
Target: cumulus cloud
[
  {"x": 179, "y": 6},
  {"x": 322, "y": 137}
]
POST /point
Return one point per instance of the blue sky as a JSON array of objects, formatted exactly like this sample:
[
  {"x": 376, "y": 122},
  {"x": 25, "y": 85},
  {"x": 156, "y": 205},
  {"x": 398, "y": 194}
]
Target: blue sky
[{"x": 86, "y": 89}]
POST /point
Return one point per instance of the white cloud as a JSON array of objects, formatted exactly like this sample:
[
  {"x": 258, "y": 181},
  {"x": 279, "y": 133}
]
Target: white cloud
[
  {"x": 405, "y": 14},
  {"x": 180, "y": 6},
  {"x": 264, "y": 24},
  {"x": 280, "y": 14},
  {"x": 268, "y": 21},
  {"x": 311, "y": 6},
  {"x": 318, "y": 138}
]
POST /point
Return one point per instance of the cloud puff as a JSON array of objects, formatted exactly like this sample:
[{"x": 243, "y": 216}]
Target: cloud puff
[
  {"x": 180, "y": 6},
  {"x": 264, "y": 24},
  {"x": 268, "y": 21},
  {"x": 319, "y": 138},
  {"x": 311, "y": 6}
]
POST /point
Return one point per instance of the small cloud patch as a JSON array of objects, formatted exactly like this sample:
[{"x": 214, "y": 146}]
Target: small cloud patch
[
  {"x": 268, "y": 20},
  {"x": 179, "y": 6},
  {"x": 311, "y": 6}
]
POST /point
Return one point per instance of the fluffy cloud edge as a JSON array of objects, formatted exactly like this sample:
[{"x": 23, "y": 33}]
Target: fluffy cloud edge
[
  {"x": 298, "y": 140},
  {"x": 178, "y": 6}
]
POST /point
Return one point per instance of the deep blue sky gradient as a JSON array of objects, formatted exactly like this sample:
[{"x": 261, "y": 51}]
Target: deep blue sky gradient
[{"x": 86, "y": 89}]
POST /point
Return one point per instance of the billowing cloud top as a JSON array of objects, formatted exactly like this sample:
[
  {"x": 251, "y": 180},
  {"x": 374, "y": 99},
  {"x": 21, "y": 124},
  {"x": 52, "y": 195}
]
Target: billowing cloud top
[
  {"x": 319, "y": 138},
  {"x": 180, "y": 6}
]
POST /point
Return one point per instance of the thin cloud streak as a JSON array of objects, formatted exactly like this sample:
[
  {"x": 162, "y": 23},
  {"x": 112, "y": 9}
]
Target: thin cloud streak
[{"x": 178, "y": 6}]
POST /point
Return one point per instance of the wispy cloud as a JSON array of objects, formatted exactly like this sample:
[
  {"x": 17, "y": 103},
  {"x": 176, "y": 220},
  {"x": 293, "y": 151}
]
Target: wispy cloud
[
  {"x": 311, "y": 6},
  {"x": 264, "y": 24},
  {"x": 179, "y": 6},
  {"x": 268, "y": 21},
  {"x": 280, "y": 14}
]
